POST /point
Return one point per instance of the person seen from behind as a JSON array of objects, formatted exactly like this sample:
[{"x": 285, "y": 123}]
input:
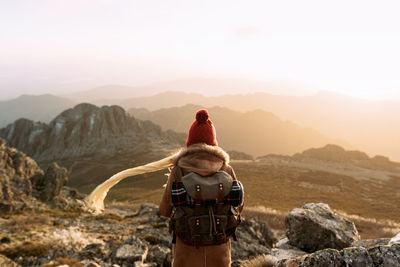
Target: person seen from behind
[{"x": 203, "y": 200}]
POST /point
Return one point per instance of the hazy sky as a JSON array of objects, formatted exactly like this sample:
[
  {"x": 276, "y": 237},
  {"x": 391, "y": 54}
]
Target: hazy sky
[{"x": 350, "y": 46}]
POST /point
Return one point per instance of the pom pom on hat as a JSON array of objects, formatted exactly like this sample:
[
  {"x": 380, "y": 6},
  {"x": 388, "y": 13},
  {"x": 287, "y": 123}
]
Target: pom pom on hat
[
  {"x": 202, "y": 130},
  {"x": 202, "y": 116}
]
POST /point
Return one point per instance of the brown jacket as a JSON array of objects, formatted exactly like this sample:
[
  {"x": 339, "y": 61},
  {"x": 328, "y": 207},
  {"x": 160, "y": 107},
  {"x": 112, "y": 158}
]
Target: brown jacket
[{"x": 204, "y": 160}]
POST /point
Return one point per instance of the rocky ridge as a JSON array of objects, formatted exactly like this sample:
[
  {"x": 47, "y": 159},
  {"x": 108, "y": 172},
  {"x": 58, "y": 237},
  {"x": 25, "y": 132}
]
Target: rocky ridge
[
  {"x": 23, "y": 183},
  {"x": 88, "y": 130},
  {"x": 92, "y": 142},
  {"x": 334, "y": 154},
  {"x": 316, "y": 236}
]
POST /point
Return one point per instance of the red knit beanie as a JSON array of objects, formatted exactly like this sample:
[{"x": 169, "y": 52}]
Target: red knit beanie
[{"x": 202, "y": 130}]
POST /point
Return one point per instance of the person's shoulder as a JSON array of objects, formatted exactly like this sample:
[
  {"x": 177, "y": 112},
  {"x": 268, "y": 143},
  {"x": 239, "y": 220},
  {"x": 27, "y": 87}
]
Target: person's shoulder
[{"x": 229, "y": 169}]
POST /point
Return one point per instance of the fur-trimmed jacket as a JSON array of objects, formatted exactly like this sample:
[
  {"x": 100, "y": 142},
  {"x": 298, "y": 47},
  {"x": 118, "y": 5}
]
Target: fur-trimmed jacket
[{"x": 204, "y": 160}]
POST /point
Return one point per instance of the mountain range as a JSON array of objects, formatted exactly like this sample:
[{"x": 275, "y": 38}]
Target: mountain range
[
  {"x": 37, "y": 107},
  {"x": 254, "y": 132},
  {"x": 371, "y": 126}
]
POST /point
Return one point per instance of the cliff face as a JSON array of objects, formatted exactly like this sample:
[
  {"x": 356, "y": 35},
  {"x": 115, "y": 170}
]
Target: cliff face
[
  {"x": 23, "y": 184},
  {"x": 87, "y": 130},
  {"x": 92, "y": 142}
]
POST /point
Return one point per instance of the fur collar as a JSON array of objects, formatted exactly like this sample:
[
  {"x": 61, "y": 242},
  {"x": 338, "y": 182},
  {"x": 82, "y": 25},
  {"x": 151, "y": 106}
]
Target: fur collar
[{"x": 201, "y": 147}]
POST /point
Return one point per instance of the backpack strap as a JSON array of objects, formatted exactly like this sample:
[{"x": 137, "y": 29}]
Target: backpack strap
[
  {"x": 178, "y": 173},
  {"x": 220, "y": 200}
]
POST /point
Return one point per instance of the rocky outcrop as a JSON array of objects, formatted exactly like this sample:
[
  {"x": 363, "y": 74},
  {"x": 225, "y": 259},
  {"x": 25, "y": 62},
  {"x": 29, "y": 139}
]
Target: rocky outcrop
[
  {"x": 49, "y": 185},
  {"x": 132, "y": 252},
  {"x": 22, "y": 182},
  {"x": 315, "y": 226},
  {"x": 254, "y": 238},
  {"x": 88, "y": 130},
  {"x": 122, "y": 236},
  {"x": 92, "y": 142},
  {"x": 319, "y": 221},
  {"x": 334, "y": 153},
  {"x": 16, "y": 169},
  {"x": 383, "y": 255},
  {"x": 14, "y": 163},
  {"x": 126, "y": 236}
]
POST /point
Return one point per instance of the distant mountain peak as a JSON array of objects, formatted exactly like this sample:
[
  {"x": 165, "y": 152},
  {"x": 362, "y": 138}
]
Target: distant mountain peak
[
  {"x": 87, "y": 129},
  {"x": 332, "y": 152}
]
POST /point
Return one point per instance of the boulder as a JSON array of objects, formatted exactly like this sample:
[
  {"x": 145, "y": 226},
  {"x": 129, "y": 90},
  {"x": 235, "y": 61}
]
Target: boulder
[
  {"x": 327, "y": 258},
  {"x": 131, "y": 251},
  {"x": 69, "y": 199},
  {"x": 254, "y": 238},
  {"x": 49, "y": 185},
  {"x": 16, "y": 169},
  {"x": 159, "y": 255},
  {"x": 283, "y": 250},
  {"x": 93, "y": 252},
  {"x": 381, "y": 255},
  {"x": 356, "y": 257},
  {"x": 385, "y": 256},
  {"x": 314, "y": 227},
  {"x": 6, "y": 195}
]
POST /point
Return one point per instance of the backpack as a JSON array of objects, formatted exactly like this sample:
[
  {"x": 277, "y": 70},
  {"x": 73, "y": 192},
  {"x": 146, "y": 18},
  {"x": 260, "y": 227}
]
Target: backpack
[{"x": 205, "y": 210}]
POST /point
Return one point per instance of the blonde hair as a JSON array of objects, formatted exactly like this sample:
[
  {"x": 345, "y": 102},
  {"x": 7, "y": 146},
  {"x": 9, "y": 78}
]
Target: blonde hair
[{"x": 95, "y": 201}]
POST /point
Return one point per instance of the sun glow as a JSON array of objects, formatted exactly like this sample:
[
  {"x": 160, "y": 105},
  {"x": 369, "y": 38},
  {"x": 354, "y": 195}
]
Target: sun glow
[{"x": 347, "y": 47}]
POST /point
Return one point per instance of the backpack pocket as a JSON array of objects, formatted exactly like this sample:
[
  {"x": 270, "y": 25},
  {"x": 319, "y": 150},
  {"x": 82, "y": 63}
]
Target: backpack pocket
[{"x": 206, "y": 230}]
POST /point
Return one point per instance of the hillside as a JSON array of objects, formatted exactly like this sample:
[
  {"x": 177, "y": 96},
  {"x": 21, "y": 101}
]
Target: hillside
[
  {"x": 372, "y": 126},
  {"x": 35, "y": 107},
  {"x": 366, "y": 192},
  {"x": 92, "y": 142},
  {"x": 254, "y": 132}
]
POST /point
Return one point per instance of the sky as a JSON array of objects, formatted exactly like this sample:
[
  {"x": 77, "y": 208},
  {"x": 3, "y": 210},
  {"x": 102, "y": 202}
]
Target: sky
[{"x": 57, "y": 46}]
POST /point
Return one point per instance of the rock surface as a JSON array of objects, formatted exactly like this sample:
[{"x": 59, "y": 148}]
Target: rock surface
[
  {"x": 119, "y": 237},
  {"x": 254, "y": 238},
  {"x": 22, "y": 182},
  {"x": 86, "y": 130},
  {"x": 16, "y": 169},
  {"x": 6, "y": 262},
  {"x": 50, "y": 184},
  {"x": 383, "y": 255},
  {"x": 315, "y": 226}
]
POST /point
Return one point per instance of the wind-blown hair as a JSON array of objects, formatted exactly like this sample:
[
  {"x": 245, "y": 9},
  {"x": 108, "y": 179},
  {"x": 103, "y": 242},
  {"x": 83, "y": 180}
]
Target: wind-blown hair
[{"x": 95, "y": 201}]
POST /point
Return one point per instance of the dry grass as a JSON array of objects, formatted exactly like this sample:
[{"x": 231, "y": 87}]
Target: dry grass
[
  {"x": 370, "y": 228},
  {"x": 275, "y": 219},
  {"x": 283, "y": 188},
  {"x": 62, "y": 213},
  {"x": 105, "y": 218},
  {"x": 260, "y": 261},
  {"x": 279, "y": 188},
  {"x": 23, "y": 223},
  {"x": 26, "y": 249}
]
